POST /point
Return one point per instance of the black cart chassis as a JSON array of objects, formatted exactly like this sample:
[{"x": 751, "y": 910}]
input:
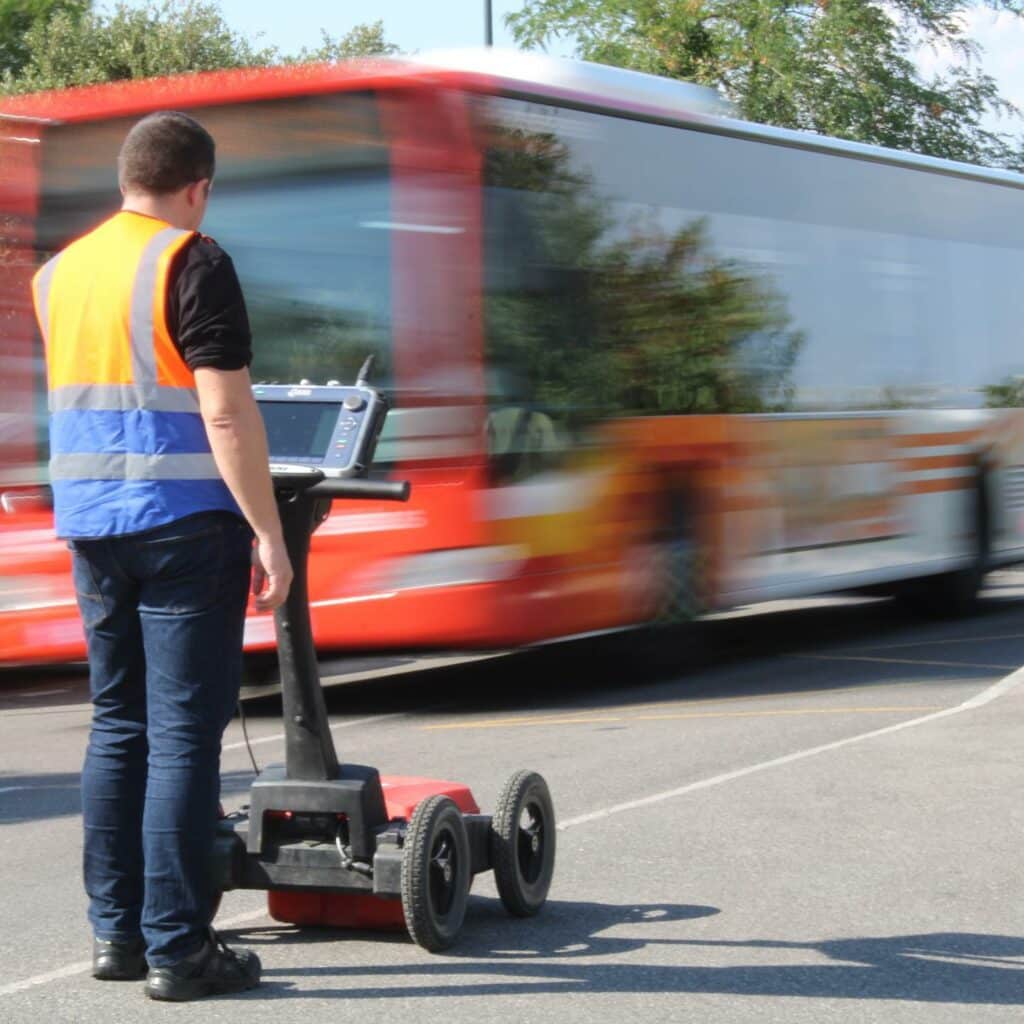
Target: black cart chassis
[{"x": 331, "y": 836}]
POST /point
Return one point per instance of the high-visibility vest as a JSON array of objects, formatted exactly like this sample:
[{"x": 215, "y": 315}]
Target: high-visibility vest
[{"x": 128, "y": 448}]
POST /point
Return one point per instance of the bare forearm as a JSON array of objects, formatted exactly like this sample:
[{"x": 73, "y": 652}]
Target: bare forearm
[{"x": 238, "y": 441}]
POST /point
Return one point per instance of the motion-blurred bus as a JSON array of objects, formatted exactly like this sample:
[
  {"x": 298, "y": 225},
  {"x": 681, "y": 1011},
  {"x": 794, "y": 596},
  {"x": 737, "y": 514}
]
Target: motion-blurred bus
[{"x": 646, "y": 360}]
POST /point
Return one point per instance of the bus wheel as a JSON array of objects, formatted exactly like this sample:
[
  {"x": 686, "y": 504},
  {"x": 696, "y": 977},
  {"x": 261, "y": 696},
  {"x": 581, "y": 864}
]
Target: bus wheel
[
  {"x": 955, "y": 594},
  {"x": 677, "y": 566}
]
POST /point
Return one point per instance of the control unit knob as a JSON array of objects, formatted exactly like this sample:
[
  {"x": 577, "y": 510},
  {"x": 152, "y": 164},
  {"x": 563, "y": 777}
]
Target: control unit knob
[
  {"x": 353, "y": 403},
  {"x": 334, "y": 383},
  {"x": 305, "y": 383}
]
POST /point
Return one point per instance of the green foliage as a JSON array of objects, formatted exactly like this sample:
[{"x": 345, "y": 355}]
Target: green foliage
[
  {"x": 1008, "y": 394},
  {"x": 163, "y": 38},
  {"x": 840, "y": 67},
  {"x": 54, "y": 44},
  {"x": 362, "y": 41},
  {"x": 17, "y": 17}
]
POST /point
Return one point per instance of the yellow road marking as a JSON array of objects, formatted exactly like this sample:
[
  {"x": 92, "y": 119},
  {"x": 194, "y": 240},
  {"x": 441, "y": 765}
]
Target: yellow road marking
[
  {"x": 939, "y": 643},
  {"x": 602, "y": 719},
  {"x": 686, "y": 702},
  {"x": 906, "y": 661}
]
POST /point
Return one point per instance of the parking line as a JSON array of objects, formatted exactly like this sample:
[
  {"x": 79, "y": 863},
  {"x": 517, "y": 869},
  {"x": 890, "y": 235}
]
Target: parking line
[
  {"x": 986, "y": 696},
  {"x": 600, "y": 719},
  {"x": 940, "y": 643},
  {"x": 81, "y": 966},
  {"x": 906, "y": 661},
  {"x": 240, "y": 745}
]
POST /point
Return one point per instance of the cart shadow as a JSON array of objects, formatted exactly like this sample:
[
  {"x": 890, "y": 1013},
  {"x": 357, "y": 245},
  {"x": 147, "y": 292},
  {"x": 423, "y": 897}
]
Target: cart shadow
[
  {"x": 566, "y": 951},
  {"x": 564, "y": 930}
]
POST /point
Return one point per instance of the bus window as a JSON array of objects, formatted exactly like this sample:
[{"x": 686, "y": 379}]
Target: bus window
[
  {"x": 637, "y": 268},
  {"x": 315, "y": 272},
  {"x": 300, "y": 188},
  {"x": 606, "y": 304}
]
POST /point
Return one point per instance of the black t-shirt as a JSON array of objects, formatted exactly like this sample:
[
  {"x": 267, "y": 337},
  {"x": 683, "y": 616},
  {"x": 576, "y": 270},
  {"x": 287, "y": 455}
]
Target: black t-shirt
[{"x": 206, "y": 313}]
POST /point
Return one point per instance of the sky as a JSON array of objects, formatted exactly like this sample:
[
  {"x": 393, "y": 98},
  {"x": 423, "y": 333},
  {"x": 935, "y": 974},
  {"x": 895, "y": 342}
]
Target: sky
[{"x": 435, "y": 24}]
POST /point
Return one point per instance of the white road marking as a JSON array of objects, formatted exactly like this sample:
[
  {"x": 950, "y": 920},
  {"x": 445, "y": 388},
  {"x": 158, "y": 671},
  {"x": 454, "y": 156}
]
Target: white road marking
[
  {"x": 240, "y": 745},
  {"x": 979, "y": 700},
  {"x": 45, "y": 709},
  {"x": 986, "y": 696},
  {"x": 36, "y": 693},
  {"x": 44, "y": 979},
  {"x": 81, "y": 966}
]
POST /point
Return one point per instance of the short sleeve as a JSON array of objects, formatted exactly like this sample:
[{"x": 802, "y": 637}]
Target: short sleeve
[{"x": 206, "y": 311}]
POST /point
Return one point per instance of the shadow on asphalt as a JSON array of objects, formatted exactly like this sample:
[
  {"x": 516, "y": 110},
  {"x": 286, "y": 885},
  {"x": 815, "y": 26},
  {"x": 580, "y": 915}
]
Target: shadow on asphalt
[
  {"x": 724, "y": 657},
  {"x": 499, "y": 957},
  {"x": 25, "y": 798}
]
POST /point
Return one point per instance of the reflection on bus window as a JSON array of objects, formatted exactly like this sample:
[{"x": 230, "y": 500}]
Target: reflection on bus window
[
  {"x": 315, "y": 272},
  {"x": 730, "y": 275}
]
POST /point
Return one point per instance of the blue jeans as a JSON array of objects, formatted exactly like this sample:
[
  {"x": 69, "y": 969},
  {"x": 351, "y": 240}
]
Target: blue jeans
[{"x": 163, "y": 613}]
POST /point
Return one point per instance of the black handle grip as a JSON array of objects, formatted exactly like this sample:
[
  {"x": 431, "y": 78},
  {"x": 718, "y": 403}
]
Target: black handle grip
[{"x": 381, "y": 490}]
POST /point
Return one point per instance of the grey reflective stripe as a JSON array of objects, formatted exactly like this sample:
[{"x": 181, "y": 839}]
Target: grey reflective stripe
[
  {"x": 122, "y": 398},
  {"x": 43, "y": 283},
  {"x": 143, "y": 339},
  {"x": 103, "y": 466}
]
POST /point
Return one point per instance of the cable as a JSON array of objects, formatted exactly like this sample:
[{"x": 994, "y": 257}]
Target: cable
[{"x": 245, "y": 733}]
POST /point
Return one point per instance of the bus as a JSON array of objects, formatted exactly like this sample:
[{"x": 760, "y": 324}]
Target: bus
[{"x": 646, "y": 360}]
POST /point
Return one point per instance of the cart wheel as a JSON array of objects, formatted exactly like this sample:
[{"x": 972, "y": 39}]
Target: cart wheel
[
  {"x": 436, "y": 872},
  {"x": 523, "y": 843}
]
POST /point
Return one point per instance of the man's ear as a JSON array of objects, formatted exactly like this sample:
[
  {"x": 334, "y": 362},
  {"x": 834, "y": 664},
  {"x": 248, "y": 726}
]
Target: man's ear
[{"x": 198, "y": 191}]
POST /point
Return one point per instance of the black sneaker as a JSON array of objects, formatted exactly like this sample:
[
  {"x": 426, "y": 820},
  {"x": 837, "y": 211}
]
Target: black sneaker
[
  {"x": 118, "y": 961},
  {"x": 214, "y": 971}
]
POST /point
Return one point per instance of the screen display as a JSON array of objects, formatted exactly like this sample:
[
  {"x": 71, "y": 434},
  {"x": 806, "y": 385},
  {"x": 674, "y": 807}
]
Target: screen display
[{"x": 299, "y": 430}]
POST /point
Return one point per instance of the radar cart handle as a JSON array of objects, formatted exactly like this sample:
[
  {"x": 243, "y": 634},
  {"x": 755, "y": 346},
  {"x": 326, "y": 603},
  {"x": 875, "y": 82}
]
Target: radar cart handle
[{"x": 380, "y": 490}]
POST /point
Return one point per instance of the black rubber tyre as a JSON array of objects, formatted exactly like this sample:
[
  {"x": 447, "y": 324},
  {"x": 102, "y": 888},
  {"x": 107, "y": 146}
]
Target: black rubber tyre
[
  {"x": 677, "y": 564},
  {"x": 436, "y": 872},
  {"x": 523, "y": 843}
]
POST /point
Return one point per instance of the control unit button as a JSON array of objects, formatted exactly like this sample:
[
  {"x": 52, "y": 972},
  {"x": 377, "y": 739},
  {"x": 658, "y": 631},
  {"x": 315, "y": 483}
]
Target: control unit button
[{"x": 354, "y": 402}]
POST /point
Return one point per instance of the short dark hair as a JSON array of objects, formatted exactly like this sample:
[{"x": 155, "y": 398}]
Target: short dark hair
[{"x": 165, "y": 152}]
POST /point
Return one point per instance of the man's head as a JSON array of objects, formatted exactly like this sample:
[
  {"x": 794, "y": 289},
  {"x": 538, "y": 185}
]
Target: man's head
[{"x": 166, "y": 166}]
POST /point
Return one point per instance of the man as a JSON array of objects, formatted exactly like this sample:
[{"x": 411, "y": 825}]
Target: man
[{"x": 160, "y": 479}]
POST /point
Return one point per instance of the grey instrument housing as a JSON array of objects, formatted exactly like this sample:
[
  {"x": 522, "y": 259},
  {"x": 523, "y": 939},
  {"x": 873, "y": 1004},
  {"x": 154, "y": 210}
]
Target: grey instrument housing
[{"x": 354, "y": 415}]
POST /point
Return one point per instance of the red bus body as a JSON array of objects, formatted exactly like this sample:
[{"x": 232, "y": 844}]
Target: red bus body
[{"x": 471, "y": 561}]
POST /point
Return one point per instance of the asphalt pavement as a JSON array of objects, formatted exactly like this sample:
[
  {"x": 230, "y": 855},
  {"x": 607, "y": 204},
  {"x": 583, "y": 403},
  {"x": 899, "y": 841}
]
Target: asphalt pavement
[{"x": 812, "y": 814}]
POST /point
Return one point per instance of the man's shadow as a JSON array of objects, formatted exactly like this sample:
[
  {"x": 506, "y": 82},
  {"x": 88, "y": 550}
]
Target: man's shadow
[{"x": 565, "y": 951}]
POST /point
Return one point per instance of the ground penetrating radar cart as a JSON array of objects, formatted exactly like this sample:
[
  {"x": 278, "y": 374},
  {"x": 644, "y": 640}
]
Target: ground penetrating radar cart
[{"x": 338, "y": 844}]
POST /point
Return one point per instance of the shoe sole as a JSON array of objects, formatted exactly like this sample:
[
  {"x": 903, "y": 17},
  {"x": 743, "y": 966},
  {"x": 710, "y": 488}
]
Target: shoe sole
[
  {"x": 119, "y": 974},
  {"x": 185, "y": 990}
]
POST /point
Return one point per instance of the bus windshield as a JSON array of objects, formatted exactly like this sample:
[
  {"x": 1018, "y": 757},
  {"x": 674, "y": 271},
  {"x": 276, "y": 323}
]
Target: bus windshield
[{"x": 315, "y": 268}]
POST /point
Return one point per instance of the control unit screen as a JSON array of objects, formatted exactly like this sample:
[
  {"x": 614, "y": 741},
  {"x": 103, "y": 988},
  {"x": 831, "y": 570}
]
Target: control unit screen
[{"x": 299, "y": 430}]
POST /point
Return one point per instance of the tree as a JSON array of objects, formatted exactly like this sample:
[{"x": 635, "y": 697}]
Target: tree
[
  {"x": 69, "y": 42},
  {"x": 1007, "y": 394},
  {"x": 838, "y": 67},
  {"x": 17, "y": 17},
  {"x": 362, "y": 41}
]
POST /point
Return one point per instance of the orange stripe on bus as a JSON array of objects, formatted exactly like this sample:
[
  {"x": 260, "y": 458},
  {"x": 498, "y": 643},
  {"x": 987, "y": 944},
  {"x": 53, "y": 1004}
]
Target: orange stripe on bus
[
  {"x": 924, "y": 462},
  {"x": 959, "y": 483},
  {"x": 963, "y": 437}
]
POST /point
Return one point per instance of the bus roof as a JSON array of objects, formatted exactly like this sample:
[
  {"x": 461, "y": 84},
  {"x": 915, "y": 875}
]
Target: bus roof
[{"x": 528, "y": 75}]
